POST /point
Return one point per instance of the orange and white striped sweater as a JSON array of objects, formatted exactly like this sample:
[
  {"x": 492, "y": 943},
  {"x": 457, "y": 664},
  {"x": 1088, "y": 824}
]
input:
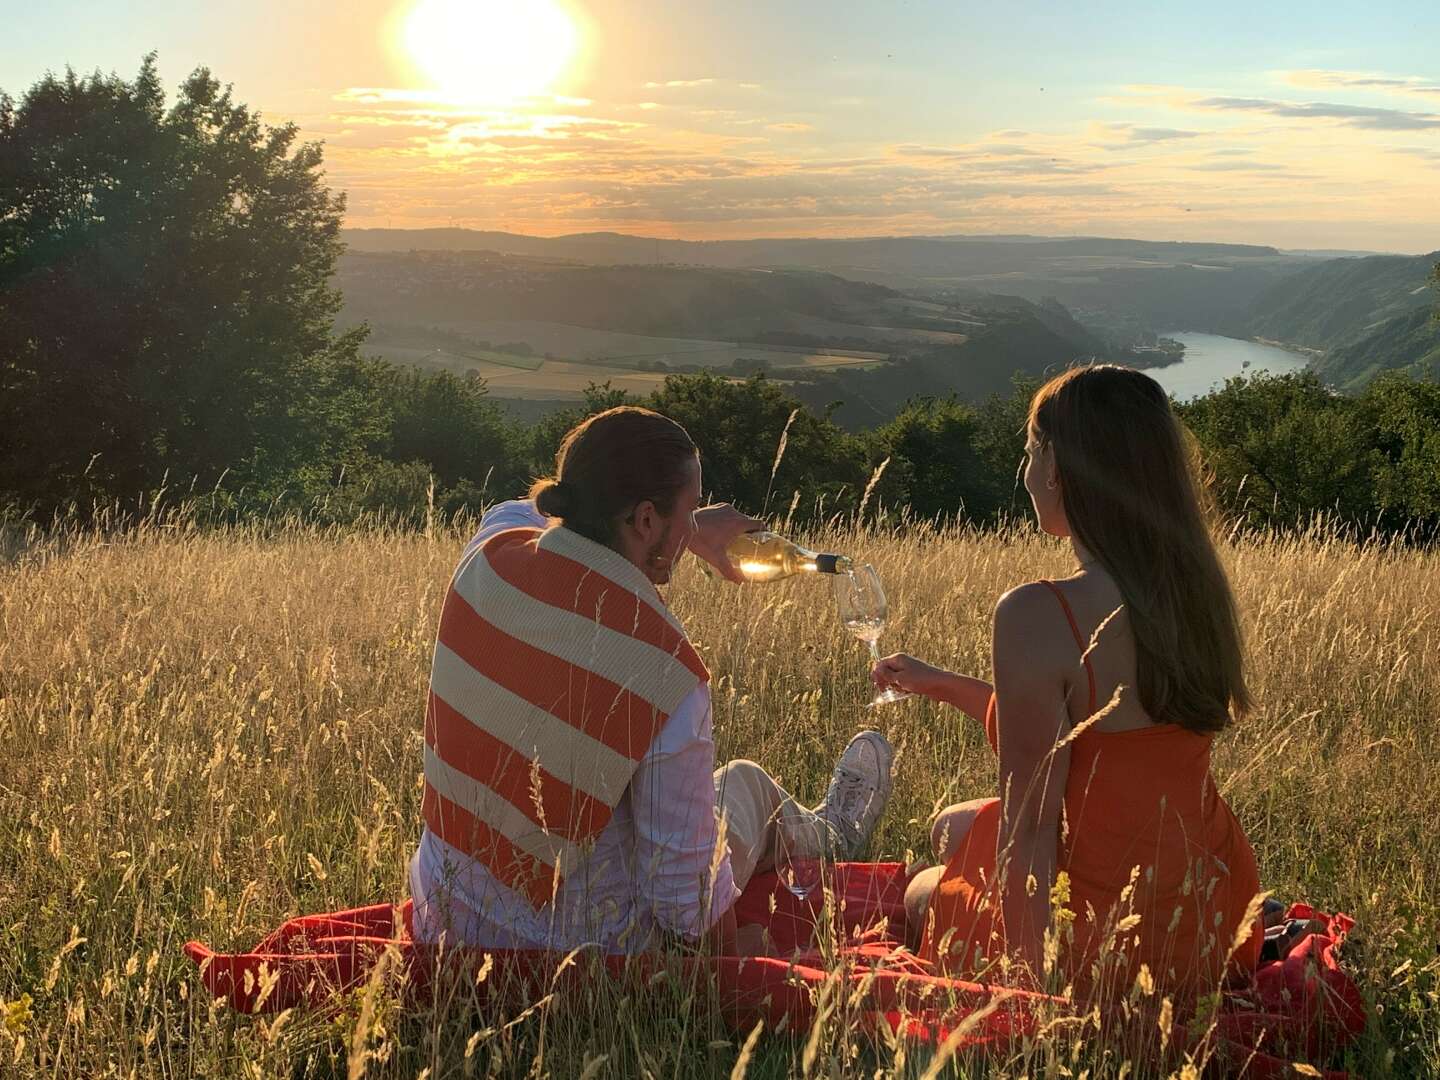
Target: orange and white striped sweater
[{"x": 557, "y": 664}]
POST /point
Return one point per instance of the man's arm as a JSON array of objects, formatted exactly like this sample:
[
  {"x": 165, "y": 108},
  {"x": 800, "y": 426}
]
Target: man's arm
[
  {"x": 681, "y": 871},
  {"x": 715, "y": 527}
]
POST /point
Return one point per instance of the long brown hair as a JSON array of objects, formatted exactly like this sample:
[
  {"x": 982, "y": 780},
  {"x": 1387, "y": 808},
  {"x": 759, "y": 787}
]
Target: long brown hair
[
  {"x": 1129, "y": 488},
  {"x": 611, "y": 462}
]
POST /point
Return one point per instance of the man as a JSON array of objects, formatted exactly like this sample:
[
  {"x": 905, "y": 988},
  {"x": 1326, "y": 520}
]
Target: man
[{"x": 570, "y": 791}]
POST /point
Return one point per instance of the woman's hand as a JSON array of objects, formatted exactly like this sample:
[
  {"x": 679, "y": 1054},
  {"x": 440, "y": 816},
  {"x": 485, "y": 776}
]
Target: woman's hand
[
  {"x": 715, "y": 527},
  {"x": 970, "y": 695},
  {"x": 904, "y": 672}
]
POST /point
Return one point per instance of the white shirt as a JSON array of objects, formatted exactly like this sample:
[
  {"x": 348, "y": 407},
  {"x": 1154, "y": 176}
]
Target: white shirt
[{"x": 653, "y": 867}]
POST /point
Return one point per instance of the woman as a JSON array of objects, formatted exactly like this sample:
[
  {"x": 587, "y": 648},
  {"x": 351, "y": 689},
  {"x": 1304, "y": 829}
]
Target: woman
[{"x": 1113, "y": 846}]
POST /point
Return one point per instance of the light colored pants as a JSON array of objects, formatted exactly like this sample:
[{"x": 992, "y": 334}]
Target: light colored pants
[{"x": 762, "y": 820}]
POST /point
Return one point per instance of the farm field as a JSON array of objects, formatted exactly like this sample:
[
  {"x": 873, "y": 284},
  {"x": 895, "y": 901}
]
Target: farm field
[
  {"x": 583, "y": 356},
  {"x": 204, "y": 733}
]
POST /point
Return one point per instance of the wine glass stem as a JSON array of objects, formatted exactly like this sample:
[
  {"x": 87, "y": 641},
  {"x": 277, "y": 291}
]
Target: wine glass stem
[{"x": 875, "y": 650}]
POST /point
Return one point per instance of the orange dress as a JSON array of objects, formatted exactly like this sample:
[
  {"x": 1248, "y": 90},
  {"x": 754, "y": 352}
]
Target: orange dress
[{"x": 1144, "y": 833}]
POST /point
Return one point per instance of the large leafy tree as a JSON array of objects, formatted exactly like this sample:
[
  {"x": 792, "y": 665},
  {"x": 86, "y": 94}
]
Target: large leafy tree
[
  {"x": 1284, "y": 448},
  {"x": 738, "y": 427},
  {"x": 932, "y": 448},
  {"x": 166, "y": 307}
]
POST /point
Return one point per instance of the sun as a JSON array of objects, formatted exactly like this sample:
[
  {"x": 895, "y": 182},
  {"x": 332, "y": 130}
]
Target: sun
[{"x": 490, "y": 51}]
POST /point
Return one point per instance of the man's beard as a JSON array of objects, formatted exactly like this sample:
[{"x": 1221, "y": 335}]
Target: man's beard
[{"x": 657, "y": 563}]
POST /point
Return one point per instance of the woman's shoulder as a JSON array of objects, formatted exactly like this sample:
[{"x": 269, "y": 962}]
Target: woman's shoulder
[
  {"x": 1032, "y": 600},
  {"x": 1019, "y": 596},
  {"x": 1029, "y": 616}
]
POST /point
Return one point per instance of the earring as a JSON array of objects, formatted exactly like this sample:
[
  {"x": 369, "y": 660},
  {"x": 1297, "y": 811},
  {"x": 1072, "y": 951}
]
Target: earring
[{"x": 1051, "y": 484}]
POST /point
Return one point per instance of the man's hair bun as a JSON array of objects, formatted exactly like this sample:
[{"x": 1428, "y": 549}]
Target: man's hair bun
[{"x": 554, "y": 498}]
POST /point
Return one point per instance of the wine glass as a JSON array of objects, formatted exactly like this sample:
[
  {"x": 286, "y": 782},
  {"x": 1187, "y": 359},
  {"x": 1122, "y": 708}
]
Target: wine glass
[
  {"x": 861, "y": 600},
  {"x": 799, "y": 859}
]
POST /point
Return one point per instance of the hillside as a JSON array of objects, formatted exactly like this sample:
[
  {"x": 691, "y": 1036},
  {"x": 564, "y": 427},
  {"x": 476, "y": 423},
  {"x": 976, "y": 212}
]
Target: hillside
[
  {"x": 542, "y": 329},
  {"x": 1367, "y": 315},
  {"x": 1340, "y": 301},
  {"x": 1408, "y": 343},
  {"x": 1111, "y": 283},
  {"x": 918, "y": 255},
  {"x": 675, "y": 301}
]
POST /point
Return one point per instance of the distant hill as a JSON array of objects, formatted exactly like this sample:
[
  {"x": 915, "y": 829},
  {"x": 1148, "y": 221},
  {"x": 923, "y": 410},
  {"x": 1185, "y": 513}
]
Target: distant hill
[
  {"x": 450, "y": 287},
  {"x": 1109, "y": 282},
  {"x": 539, "y": 328},
  {"x": 919, "y": 255},
  {"x": 1408, "y": 343},
  {"x": 1367, "y": 315}
]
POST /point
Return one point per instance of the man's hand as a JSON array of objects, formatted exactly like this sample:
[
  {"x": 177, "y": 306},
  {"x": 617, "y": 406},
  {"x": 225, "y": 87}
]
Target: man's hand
[{"x": 715, "y": 527}]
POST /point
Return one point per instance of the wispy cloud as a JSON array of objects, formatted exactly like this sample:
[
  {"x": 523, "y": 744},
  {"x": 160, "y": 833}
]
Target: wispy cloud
[
  {"x": 1238, "y": 166},
  {"x": 1315, "y": 78},
  {"x": 1358, "y": 116},
  {"x": 1425, "y": 153},
  {"x": 723, "y": 167},
  {"x": 674, "y": 84},
  {"x": 1136, "y": 135}
]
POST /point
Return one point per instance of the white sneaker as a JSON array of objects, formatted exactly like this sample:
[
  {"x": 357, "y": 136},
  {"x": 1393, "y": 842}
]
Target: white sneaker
[{"x": 859, "y": 790}]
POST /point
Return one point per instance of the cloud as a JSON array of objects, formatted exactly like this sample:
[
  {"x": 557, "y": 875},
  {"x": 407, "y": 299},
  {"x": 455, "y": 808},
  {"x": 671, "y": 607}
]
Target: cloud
[
  {"x": 549, "y": 165},
  {"x": 1238, "y": 166},
  {"x": 1314, "y": 78},
  {"x": 677, "y": 84},
  {"x": 971, "y": 151},
  {"x": 1357, "y": 116},
  {"x": 1159, "y": 134},
  {"x": 1424, "y": 153},
  {"x": 1131, "y": 136}
]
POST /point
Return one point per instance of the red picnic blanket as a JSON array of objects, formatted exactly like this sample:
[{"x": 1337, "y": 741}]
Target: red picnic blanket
[{"x": 1303, "y": 1007}]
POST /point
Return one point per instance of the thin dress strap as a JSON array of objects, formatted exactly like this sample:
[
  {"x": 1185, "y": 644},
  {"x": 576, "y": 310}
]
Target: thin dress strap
[{"x": 1079, "y": 640}]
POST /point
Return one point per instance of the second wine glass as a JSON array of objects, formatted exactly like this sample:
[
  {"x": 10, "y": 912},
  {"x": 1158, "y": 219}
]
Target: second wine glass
[{"x": 861, "y": 600}]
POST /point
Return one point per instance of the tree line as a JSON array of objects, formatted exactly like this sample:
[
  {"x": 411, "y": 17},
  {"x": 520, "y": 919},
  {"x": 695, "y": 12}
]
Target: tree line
[{"x": 167, "y": 324}]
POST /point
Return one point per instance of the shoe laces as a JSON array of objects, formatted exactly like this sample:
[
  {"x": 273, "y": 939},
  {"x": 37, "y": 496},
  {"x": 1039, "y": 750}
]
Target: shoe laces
[{"x": 849, "y": 794}]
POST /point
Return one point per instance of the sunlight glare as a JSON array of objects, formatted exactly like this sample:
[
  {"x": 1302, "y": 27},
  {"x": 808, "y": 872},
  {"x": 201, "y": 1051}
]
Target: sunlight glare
[{"x": 491, "y": 51}]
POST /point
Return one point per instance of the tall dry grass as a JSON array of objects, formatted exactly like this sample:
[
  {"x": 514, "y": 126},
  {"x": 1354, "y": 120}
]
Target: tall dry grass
[{"x": 202, "y": 734}]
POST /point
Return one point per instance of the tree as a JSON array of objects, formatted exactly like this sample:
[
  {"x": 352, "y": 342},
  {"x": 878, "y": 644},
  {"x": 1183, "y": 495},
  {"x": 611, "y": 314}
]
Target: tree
[
  {"x": 738, "y": 425},
  {"x": 537, "y": 447},
  {"x": 166, "y": 304},
  {"x": 1402, "y": 415},
  {"x": 1284, "y": 448},
  {"x": 450, "y": 425},
  {"x": 932, "y": 446}
]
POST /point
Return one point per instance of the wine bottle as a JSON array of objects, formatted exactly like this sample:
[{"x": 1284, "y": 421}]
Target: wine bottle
[{"x": 768, "y": 556}]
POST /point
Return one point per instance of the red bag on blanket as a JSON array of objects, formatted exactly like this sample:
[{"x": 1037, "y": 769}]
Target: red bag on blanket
[{"x": 1302, "y": 1007}]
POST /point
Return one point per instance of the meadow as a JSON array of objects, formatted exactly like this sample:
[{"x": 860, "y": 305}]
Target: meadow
[
  {"x": 203, "y": 733},
  {"x": 538, "y": 380}
]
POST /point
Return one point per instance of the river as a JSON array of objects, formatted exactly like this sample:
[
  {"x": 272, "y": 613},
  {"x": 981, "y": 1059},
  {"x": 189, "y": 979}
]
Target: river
[{"x": 1211, "y": 359}]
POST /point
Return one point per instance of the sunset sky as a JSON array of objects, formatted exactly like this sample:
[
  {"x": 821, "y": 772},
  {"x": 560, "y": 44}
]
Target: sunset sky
[{"x": 1313, "y": 125}]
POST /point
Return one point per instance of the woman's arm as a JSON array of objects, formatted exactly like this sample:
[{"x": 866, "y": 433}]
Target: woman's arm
[
  {"x": 1032, "y": 719},
  {"x": 970, "y": 695}
]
